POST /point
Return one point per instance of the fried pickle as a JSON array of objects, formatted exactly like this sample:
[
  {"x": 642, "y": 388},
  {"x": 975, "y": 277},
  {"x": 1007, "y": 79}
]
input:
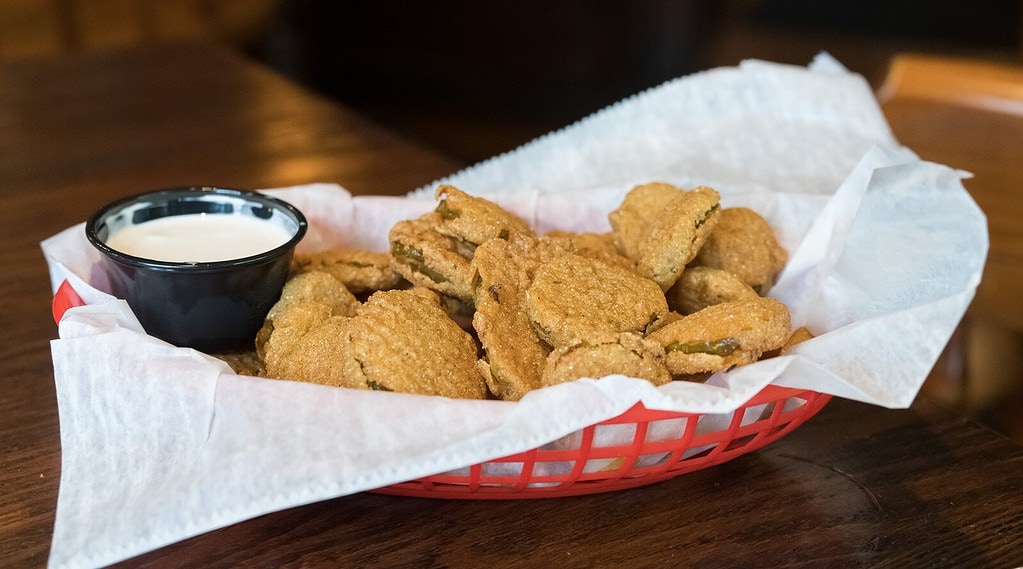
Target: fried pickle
[
  {"x": 430, "y": 259},
  {"x": 310, "y": 287},
  {"x": 403, "y": 341},
  {"x": 302, "y": 343},
  {"x": 723, "y": 335},
  {"x": 243, "y": 363},
  {"x": 475, "y": 220},
  {"x": 399, "y": 340},
  {"x": 320, "y": 287},
  {"x": 514, "y": 356},
  {"x": 799, "y": 335},
  {"x": 360, "y": 271},
  {"x": 744, "y": 243},
  {"x": 700, "y": 287},
  {"x": 573, "y": 299},
  {"x": 677, "y": 235},
  {"x": 629, "y": 355},
  {"x": 630, "y": 222},
  {"x": 598, "y": 246}
]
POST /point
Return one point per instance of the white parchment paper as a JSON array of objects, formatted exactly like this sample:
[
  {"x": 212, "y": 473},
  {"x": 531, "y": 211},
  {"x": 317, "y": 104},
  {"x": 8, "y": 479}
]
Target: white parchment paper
[{"x": 162, "y": 443}]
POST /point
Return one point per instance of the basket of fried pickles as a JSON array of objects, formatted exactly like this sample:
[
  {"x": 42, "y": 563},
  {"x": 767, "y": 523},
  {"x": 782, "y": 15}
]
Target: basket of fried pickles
[
  {"x": 470, "y": 302},
  {"x": 622, "y": 301}
]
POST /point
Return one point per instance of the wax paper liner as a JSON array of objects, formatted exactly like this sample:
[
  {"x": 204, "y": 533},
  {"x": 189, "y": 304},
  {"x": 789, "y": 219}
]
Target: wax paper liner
[{"x": 162, "y": 443}]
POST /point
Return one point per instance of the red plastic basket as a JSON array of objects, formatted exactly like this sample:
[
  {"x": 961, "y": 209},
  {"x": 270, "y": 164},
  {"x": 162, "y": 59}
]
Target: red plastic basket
[{"x": 639, "y": 447}]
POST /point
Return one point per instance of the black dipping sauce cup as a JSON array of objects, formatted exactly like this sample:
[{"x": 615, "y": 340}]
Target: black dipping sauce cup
[{"x": 210, "y": 306}]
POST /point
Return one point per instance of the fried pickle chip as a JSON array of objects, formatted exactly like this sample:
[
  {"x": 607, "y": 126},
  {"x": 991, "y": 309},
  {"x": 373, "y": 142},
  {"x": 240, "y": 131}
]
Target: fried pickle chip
[
  {"x": 677, "y": 235},
  {"x": 310, "y": 287},
  {"x": 302, "y": 344},
  {"x": 799, "y": 335},
  {"x": 403, "y": 341},
  {"x": 316, "y": 286},
  {"x": 630, "y": 355},
  {"x": 573, "y": 300},
  {"x": 598, "y": 246},
  {"x": 243, "y": 363},
  {"x": 744, "y": 243},
  {"x": 514, "y": 355},
  {"x": 700, "y": 287},
  {"x": 630, "y": 223},
  {"x": 360, "y": 271},
  {"x": 475, "y": 220},
  {"x": 430, "y": 259},
  {"x": 723, "y": 335},
  {"x": 399, "y": 340}
]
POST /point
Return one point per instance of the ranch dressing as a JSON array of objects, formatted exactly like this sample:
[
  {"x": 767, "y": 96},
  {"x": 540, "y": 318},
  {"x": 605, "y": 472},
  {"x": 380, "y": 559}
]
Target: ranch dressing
[{"x": 199, "y": 238}]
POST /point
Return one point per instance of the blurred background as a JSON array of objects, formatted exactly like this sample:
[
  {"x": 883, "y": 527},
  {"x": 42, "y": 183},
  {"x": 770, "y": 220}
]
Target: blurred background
[{"x": 474, "y": 79}]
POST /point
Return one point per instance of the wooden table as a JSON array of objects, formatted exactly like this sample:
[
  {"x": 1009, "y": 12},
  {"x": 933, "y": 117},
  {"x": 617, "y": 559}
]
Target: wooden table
[{"x": 855, "y": 486}]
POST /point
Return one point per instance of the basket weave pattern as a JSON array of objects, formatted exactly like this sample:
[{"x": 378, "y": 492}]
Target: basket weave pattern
[{"x": 639, "y": 447}]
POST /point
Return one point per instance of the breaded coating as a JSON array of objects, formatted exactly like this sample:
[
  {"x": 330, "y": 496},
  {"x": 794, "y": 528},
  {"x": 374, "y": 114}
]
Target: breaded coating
[
  {"x": 475, "y": 220},
  {"x": 630, "y": 223},
  {"x": 430, "y": 259},
  {"x": 723, "y": 335},
  {"x": 302, "y": 344},
  {"x": 514, "y": 355},
  {"x": 700, "y": 287},
  {"x": 311, "y": 287},
  {"x": 799, "y": 335},
  {"x": 573, "y": 300},
  {"x": 400, "y": 340},
  {"x": 744, "y": 243},
  {"x": 243, "y": 363},
  {"x": 316, "y": 286},
  {"x": 677, "y": 235},
  {"x": 630, "y": 355},
  {"x": 672, "y": 316},
  {"x": 317, "y": 356},
  {"x": 598, "y": 246},
  {"x": 360, "y": 271},
  {"x": 403, "y": 341}
]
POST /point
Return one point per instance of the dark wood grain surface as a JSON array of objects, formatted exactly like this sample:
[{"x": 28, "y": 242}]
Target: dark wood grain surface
[
  {"x": 914, "y": 488},
  {"x": 855, "y": 486}
]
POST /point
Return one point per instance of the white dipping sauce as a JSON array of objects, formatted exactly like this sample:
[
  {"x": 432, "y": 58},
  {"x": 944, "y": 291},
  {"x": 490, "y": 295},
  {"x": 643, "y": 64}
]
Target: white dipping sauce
[{"x": 199, "y": 238}]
